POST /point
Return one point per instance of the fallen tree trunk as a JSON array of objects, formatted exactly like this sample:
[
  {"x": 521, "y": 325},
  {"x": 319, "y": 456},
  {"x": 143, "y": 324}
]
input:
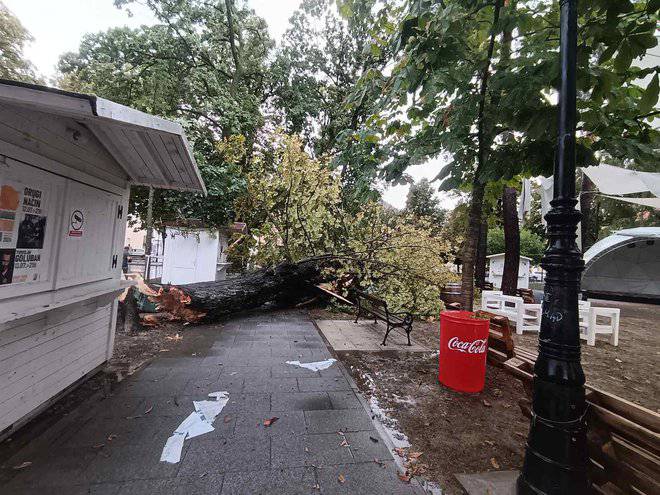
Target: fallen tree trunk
[{"x": 285, "y": 285}]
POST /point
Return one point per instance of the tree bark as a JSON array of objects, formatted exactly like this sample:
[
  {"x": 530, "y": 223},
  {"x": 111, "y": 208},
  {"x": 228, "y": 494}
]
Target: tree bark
[
  {"x": 470, "y": 246},
  {"x": 589, "y": 208},
  {"x": 284, "y": 285},
  {"x": 478, "y": 187},
  {"x": 480, "y": 263},
  {"x": 229, "y": 6},
  {"x": 511, "y": 242}
]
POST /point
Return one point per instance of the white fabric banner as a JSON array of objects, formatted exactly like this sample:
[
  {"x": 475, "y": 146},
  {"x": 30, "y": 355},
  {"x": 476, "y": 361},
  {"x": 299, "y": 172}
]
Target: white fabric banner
[
  {"x": 652, "y": 202},
  {"x": 525, "y": 200},
  {"x": 617, "y": 180}
]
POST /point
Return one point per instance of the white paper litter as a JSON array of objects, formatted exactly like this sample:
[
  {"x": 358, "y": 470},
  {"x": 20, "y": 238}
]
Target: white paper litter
[
  {"x": 316, "y": 366},
  {"x": 197, "y": 423},
  {"x": 172, "y": 450}
]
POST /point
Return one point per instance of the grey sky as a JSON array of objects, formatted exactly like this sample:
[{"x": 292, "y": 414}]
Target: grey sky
[{"x": 58, "y": 26}]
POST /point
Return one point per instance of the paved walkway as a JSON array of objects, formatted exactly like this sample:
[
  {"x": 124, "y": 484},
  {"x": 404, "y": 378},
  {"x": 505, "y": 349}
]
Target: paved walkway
[
  {"x": 345, "y": 335},
  {"x": 113, "y": 447}
]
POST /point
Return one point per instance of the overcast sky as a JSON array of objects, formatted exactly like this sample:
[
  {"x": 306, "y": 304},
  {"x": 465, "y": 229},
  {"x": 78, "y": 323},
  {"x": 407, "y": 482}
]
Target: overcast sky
[{"x": 58, "y": 26}]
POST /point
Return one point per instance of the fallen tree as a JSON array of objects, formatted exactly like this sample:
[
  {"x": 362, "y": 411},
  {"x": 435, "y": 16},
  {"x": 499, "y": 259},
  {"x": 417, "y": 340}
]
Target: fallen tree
[{"x": 284, "y": 285}]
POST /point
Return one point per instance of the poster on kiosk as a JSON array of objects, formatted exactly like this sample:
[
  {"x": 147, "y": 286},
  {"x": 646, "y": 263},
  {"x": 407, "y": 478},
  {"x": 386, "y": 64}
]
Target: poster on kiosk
[{"x": 24, "y": 224}]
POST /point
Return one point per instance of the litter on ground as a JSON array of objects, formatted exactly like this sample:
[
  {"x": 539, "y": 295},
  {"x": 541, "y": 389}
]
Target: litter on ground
[
  {"x": 315, "y": 366},
  {"x": 200, "y": 421}
]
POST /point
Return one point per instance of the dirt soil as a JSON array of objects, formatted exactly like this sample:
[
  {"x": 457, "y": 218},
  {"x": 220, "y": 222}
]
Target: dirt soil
[
  {"x": 631, "y": 369},
  {"x": 468, "y": 433},
  {"x": 456, "y": 433}
]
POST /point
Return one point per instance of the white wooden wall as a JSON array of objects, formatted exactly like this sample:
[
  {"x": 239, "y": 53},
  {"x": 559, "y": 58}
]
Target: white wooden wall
[
  {"x": 43, "y": 351},
  {"x": 42, "y": 355}
]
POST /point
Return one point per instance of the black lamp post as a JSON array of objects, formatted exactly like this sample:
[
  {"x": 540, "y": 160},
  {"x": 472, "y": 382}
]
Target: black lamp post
[{"x": 556, "y": 455}]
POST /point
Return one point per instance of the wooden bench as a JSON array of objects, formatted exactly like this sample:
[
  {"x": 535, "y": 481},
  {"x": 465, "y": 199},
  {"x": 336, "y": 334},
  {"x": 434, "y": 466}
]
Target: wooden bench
[
  {"x": 368, "y": 304},
  {"x": 500, "y": 340},
  {"x": 623, "y": 438}
]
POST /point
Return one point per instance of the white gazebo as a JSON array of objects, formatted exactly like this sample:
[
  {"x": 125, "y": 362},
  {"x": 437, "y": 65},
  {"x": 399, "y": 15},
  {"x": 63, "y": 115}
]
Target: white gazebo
[{"x": 68, "y": 161}]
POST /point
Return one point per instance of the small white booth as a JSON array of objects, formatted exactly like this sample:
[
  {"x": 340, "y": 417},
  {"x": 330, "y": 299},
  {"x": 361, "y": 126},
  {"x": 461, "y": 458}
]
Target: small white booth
[
  {"x": 496, "y": 270},
  {"x": 194, "y": 255},
  {"x": 67, "y": 161},
  {"x": 190, "y": 256}
]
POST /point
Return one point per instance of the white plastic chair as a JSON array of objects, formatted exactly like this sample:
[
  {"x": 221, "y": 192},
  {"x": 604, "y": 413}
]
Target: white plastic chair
[{"x": 611, "y": 328}]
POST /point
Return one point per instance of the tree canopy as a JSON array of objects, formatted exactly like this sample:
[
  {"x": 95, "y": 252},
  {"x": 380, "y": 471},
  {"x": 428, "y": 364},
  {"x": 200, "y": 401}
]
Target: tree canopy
[
  {"x": 13, "y": 38},
  {"x": 204, "y": 64},
  {"x": 356, "y": 92}
]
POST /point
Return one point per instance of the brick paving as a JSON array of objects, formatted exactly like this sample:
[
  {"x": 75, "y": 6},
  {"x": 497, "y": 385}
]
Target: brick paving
[{"x": 113, "y": 447}]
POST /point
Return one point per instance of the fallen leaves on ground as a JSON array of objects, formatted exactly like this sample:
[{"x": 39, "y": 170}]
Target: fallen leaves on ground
[
  {"x": 176, "y": 337},
  {"x": 404, "y": 477},
  {"x": 494, "y": 463},
  {"x": 268, "y": 422},
  {"x": 487, "y": 404},
  {"x": 400, "y": 452}
]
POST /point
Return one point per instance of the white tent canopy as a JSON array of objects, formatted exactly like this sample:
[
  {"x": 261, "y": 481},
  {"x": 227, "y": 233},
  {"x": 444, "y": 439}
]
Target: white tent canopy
[
  {"x": 618, "y": 181},
  {"x": 624, "y": 264}
]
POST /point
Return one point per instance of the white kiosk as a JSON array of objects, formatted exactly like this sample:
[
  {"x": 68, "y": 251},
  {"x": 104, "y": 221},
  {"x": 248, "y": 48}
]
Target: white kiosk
[
  {"x": 67, "y": 161},
  {"x": 496, "y": 270}
]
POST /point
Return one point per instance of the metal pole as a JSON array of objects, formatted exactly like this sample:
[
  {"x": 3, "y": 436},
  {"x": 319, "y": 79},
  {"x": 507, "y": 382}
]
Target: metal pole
[{"x": 556, "y": 454}]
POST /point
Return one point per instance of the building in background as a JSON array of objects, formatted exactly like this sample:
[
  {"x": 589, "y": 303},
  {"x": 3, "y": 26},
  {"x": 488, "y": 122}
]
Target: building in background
[{"x": 496, "y": 270}]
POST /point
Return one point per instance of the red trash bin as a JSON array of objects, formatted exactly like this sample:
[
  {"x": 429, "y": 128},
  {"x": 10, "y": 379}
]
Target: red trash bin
[{"x": 463, "y": 347}]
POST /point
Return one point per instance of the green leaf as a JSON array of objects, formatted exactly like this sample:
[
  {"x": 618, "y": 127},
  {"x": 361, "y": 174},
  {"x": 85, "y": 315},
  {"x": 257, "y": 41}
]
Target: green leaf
[
  {"x": 607, "y": 54},
  {"x": 624, "y": 57},
  {"x": 345, "y": 9},
  {"x": 650, "y": 96}
]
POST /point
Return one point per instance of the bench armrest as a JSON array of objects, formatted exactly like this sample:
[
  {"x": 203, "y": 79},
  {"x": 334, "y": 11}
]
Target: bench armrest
[{"x": 407, "y": 317}]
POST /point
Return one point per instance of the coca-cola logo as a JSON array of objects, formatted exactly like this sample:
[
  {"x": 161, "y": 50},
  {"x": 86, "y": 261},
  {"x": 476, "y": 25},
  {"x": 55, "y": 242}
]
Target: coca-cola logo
[{"x": 475, "y": 347}]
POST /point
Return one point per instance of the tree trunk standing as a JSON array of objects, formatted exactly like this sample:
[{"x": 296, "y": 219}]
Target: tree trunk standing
[
  {"x": 484, "y": 140},
  {"x": 470, "y": 246},
  {"x": 511, "y": 242},
  {"x": 480, "y": 263},
  {"x": 589, "y": 208}
]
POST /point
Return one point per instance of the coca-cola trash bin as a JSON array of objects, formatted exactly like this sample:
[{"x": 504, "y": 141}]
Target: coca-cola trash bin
[{"x": 463, "y": 346}]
